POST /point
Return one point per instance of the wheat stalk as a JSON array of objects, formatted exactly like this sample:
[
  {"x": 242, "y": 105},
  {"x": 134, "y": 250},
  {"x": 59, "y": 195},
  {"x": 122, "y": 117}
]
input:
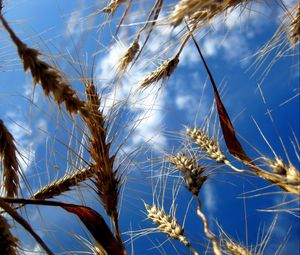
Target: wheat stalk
[
  {"x": 8, "y": 242},
  {"x": 8, "y": 155}
]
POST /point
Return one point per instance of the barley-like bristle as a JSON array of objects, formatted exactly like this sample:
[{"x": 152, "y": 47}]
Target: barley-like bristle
[
  {"x": 112, "y": 6},
  {"x": 294, "y": 29},
  {"x": 208, "y": 145},
  {"x": 8, "y": 243},
  {"x": 49, "y": 77},
  {"x": 129, "y": 55},
  {"x": 64, "y": 184},
  {"x": 8, "y": 155},
  {"x": 191, "y": 172},
  {"x": 162, "y": 72}
]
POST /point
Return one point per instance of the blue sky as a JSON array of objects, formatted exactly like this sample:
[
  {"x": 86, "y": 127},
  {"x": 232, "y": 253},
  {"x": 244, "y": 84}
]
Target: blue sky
[{"x": 71, "y": 33}]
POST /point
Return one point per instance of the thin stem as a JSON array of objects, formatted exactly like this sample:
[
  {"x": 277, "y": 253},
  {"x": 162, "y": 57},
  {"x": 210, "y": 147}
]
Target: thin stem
[{"x": 208, "y": 233}]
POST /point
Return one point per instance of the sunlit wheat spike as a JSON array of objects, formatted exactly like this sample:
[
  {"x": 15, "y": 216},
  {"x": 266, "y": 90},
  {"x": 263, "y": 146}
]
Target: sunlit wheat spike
[
  {"x": 8, "y": 156},
  {"x": 208, "y": 145},
  {"x": 288, "y": 172},
  {"x": 49, "y": 77},
  {"x": 8, "y": 243},
  {"x": 294, "y": 28},
  {"x": 166, "y": 223},
  {"x": 112, "y": 6},
  {"x": 65, "y": 183},
  {"x": 191, "y": 172},
  {"x": 200, "y": 10},
  {"x": 162, "y": 72},
  {"x": 129, "y": 55},
  {"x": 235, "y": 248}
]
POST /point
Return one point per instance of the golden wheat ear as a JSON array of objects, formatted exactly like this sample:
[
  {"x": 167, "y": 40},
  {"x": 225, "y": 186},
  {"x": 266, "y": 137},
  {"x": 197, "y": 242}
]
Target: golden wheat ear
[
  {"x": 48, "y": 76},
  {"x": 8, "y": 243},
  {"x": 65, "y": 183},
  {"x": 8, "y": 156},
  {"x": 112, "y": 6},
  {"x": 168, "y": 225},
  {"x": 294, "y": 26}
]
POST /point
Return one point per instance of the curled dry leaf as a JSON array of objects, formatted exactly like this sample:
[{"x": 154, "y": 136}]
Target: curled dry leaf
[{"x": 95, "y": 223}]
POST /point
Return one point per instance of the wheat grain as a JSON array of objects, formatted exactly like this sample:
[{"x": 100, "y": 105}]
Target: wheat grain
[{"x": 8, "y": 155}]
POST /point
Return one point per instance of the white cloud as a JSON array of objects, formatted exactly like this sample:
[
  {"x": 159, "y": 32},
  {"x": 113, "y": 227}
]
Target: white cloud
[{"x": 146, "y": 106}]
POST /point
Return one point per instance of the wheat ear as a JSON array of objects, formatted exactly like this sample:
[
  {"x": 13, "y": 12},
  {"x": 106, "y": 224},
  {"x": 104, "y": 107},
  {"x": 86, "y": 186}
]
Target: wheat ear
[
  {"x": 200, "y": 11},
  {"x": 107, "y": 180},
  {"x": 49, "y": 77},
  {"x": 210, "y": 147},
  {"x": 294, "y": 27},
  {"x": 8, "y": 155},
  {"x": 8, "y": 242},
  {"x": 129, "y": 55},
  {"x": 235, "y": 249},
  {"x": 65, "y": 183},
  {"x": 191, "y": 172},
  {"x": 168, "y": 225},
  {"x": 112, "y": 6}
]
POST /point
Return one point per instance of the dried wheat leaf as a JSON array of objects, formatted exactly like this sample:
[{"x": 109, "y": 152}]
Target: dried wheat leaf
[{"x": 97, "y": 227}]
